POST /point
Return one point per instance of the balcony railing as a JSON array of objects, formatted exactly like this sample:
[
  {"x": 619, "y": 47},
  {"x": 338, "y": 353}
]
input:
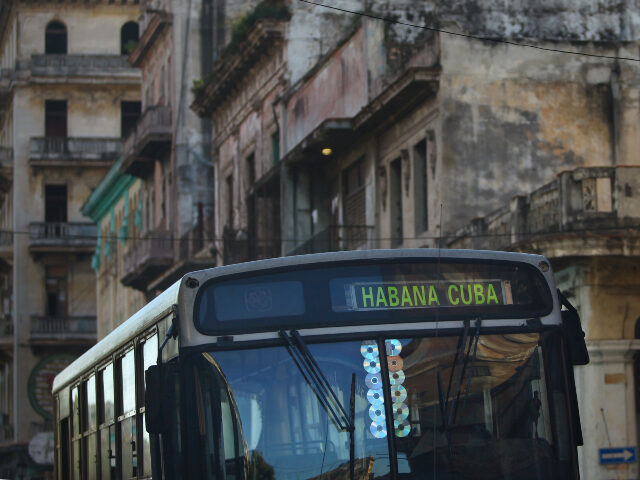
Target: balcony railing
[
  {"x": 149, "y": 140},
  {"x": 80, "y": 66},
  {"x": 73, "y": 150},
  {"x": 579, "y": 201},
  {"x": 55, "y": 235},
  {"x": 336, "y": 238},
  {"x": 147, "y": 258},
  {"x": 73, "y": 328}
]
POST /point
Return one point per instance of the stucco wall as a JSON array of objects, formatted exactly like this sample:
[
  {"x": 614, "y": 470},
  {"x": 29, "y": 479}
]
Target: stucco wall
[
  {"x": 91, "y": 29},
  {"x": 513, "y": 117}
]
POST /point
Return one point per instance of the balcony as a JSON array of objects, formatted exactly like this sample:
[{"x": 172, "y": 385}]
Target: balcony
[
  {"x": 337, "y": 238},
  {"x": 146, "y": 259},
  {"x": 59, "y": 237},
  {"x": 196, "y": 252},
  {"x": 586, "y": 211},
  {"x": 75, "y": 67},
  {"x": 148, "y": 142},
  {"x": 54, "y": 330},
  {"x": 6, "y": 169},
  {"x": 73, "y": 151}
]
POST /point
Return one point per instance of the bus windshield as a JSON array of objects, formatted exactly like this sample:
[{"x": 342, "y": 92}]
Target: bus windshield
[{"x": 468, "y": 406}]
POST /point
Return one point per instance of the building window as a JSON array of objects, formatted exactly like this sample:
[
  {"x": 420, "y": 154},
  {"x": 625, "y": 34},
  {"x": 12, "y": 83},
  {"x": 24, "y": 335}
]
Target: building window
[
  {"x": 56, "y": 289},
  {"x": 229, "y": 200},
  {"x": 420, "y": 186},
  {"x": 129, "y": 115},
  {"x": 55, "y": 118},
  {"x": 55, "y": 203},
  {"x": 55, "y": 38},
  {"x": 129, "y": 35},
  {"x": 354, "y": 205},
  {"x": 275, "y": 147},
  {"x": 395, "y": 203},
  {"x": 251, "y": 170}
]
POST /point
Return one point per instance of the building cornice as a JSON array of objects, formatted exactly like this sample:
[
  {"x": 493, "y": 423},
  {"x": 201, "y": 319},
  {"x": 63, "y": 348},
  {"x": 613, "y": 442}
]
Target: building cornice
[
  {"x": 266, "y": 35},
  {"x": 160, "y": 20}
]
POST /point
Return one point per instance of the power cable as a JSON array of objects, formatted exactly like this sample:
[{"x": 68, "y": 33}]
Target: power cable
[
  {"x": 115, "y": 237},
  {"x": 467, "y": 35}
]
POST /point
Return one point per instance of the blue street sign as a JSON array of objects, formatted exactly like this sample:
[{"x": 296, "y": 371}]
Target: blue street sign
[{"x": 617, "y": 455}]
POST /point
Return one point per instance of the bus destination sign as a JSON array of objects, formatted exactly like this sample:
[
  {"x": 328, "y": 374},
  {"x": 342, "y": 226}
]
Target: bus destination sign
[{"x": 405, "y": 295}]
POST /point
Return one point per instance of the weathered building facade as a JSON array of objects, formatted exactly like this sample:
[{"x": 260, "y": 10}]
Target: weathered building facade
[
  {"x": 66, "y": 90},
  {"x": 154, "y": 207},
  {"x": 399, "y": 136}
]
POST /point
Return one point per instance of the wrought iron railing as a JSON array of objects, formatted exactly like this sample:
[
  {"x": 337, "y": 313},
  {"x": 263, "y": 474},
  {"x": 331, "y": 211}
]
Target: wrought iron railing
[
  {"x": 74, "y": 148},
  {"x": 154, "y": 246},
  {"x": 62, "y": 234},
  {"x": 67, "y": 326},
  {"x": 338, "y": 237}
]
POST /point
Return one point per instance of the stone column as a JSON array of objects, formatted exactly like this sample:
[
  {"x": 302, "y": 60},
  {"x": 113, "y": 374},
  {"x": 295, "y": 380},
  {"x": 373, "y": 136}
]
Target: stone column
[{"x": 607, "y": 406}]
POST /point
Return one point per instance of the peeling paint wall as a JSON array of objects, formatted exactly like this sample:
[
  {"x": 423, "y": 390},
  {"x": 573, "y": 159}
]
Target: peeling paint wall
[{"x": 512, "y": 118}]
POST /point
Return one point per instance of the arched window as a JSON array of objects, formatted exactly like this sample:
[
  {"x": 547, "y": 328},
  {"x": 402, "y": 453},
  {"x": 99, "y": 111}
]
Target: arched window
[
  {"x": 55, "y": 38},
  {"x": 129, "y": 35}
]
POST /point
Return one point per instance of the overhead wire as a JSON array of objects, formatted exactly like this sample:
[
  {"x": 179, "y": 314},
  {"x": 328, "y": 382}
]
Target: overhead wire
[
  {"x": 115, "y": 236},
  {"x": 468, "y": 35}
]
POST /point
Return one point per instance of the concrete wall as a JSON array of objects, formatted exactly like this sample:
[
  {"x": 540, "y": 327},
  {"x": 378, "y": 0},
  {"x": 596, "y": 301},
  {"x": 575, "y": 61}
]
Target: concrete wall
[
  {"x": 339, "y": 89},
  {"x": 91, "y": 29},
  {"x": 514, "y": 117}
]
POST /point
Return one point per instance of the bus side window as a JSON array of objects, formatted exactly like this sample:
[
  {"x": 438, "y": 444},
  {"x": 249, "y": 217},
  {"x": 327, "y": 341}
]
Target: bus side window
[
  {"x": 149, "y": 357},
  {"x": 76, "y": 433},
  {"x": 90, "y": 424},
  {"x": 107, "y": 424},
  {"x": 127, "y": 419},
  {"x": 63, "y": 435}
]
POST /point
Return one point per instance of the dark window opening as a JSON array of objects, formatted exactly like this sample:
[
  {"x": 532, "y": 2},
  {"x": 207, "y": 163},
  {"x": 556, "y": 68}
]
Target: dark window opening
[
  {"x": 229, "y": 199},
  {"x": 56, "y": 288},
  {"x": 251, "y": 170},
  {"x": 55, "y": 203},
  {"x": 129, "y": 114},
  {"x": 55, "y": 118},
  {"x": 395, "y": 194},
  {"x": 354, "y": 205},
  {"x": 129, "y": 35},
  {"x": 275, "y": 147},
  {"x": 55, "y": 38},
  {"x": 420, "y": 186}
]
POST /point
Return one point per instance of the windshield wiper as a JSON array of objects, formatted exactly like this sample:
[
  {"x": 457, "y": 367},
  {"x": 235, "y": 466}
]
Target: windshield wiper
[
  {"x": 448, "y": 409},
  {"x": 318, "y": 383},
  {"x": 473, "y": 361}
]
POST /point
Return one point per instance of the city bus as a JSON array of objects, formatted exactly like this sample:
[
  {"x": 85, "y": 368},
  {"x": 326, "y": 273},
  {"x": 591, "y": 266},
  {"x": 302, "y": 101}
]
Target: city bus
[{"x": 381, "y": 364}]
